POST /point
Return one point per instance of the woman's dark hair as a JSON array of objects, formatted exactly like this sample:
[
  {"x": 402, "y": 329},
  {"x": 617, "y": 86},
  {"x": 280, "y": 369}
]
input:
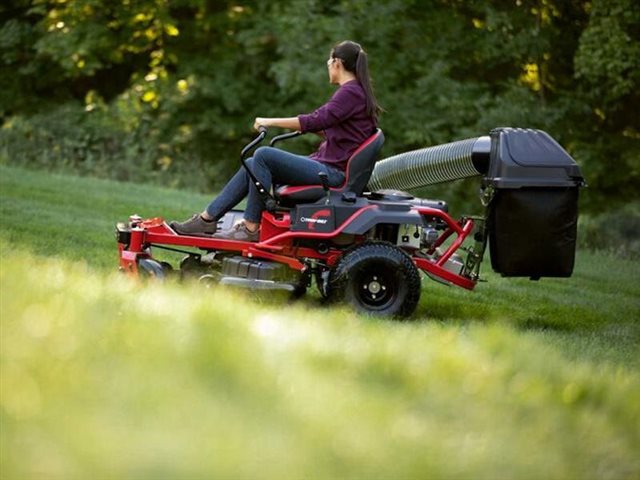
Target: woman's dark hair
[{"x": 354, "y": 60}]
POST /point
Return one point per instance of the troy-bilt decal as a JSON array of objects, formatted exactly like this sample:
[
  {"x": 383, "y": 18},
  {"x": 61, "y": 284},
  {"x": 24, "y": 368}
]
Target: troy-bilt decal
[{"x": 315, "y": 218}]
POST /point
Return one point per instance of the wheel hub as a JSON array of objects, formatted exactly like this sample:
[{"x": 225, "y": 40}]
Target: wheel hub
[
  {"x": 374, "y": 290},
  {"x": 374, "y": 286}
]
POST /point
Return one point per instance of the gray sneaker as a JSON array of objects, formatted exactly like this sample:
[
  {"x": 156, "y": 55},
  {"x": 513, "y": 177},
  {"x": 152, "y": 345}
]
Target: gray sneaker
[
  {"x": 195, "y": 226},
  {"x": 240, "y": 233}
]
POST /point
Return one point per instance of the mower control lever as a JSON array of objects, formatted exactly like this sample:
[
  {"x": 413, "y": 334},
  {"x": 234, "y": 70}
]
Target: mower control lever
[
  {"x": 270, "y": 202},
  {"x": 324, "y": 180},
  {"x": 262, "y": 133},
  {"x": 284, "y": 136}
]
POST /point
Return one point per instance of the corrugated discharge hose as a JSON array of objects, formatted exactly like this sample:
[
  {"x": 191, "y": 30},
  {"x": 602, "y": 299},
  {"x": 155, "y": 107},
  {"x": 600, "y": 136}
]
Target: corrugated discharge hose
[{"x": 432, "y": 165}]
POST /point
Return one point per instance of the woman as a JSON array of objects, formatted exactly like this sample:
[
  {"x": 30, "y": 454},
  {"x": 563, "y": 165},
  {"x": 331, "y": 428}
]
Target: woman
[{"x": 345, "y": 121}]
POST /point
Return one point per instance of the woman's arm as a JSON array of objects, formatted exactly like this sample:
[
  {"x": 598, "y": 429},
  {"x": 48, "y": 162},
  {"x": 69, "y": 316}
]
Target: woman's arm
[{"x": 291, "y": 123}]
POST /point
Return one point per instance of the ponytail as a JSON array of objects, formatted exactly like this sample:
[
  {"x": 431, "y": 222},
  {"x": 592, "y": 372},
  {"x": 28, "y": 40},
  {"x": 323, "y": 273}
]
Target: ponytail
[
  {"x": 354, "y": 60},
  {"x": 362, "y": 74}
]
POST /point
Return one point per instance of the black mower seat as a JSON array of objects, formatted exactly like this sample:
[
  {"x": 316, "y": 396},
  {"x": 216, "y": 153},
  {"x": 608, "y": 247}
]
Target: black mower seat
[{"x": 359, "y": 169}]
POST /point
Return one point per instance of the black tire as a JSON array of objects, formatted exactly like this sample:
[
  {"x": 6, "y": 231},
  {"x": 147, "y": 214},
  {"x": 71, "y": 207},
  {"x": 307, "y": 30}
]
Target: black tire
[
  {"x": 168, "y": 270},
  {"x": 191, "y": 268},
  {"x": 300, "y": 290},
  {"x": 149, "y": 268},
  {"x": 376, "y": 278}
]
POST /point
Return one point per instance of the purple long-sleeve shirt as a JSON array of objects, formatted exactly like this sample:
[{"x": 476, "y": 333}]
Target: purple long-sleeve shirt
[{"x": 345, "y": 123}]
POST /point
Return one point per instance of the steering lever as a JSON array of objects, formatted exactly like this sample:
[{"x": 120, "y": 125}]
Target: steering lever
[{"x": 324, "y": 180}]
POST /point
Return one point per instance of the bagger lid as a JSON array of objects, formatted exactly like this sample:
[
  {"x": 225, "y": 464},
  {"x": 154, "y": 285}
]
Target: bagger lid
[{"x": 529, "y": 158}]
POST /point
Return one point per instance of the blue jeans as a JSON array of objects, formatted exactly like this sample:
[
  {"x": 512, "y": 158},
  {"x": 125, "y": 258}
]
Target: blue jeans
[{"x": 269, "y": 165}]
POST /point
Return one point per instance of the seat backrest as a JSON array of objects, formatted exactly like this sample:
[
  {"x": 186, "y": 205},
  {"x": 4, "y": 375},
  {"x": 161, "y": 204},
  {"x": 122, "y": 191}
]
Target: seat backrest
[{"x": 361, "y": 163}]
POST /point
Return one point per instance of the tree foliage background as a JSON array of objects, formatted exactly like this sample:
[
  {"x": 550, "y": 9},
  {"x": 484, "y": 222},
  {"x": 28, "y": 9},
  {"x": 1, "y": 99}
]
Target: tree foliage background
[{"x": 166, "y": 91}]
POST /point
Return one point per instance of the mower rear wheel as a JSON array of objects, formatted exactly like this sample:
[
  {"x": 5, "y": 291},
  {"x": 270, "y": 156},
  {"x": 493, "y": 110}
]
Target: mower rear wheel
[
  {"x": 151, "y": 269},
  {"x": 376, "y": 278}
]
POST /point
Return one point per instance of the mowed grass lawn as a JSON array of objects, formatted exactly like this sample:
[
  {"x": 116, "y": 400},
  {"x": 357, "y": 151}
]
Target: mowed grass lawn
[{"x": 102, "y": 377}]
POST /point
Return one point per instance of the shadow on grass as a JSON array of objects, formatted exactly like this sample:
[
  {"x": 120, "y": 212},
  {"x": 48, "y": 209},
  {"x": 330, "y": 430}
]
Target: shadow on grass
[
  {"x": 451, "y": 304},
  {"x": 452, "y": 309},
  {"x": 543, "y": 324}
]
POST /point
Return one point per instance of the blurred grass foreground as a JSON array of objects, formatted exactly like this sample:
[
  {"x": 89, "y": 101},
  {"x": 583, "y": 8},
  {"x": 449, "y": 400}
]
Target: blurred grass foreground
[
  {"x": 102, "y": 377},
  {"x": 105, "y": 378}
]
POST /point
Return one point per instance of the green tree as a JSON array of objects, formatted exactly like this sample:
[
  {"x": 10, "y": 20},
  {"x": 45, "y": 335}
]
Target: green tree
[{"x": 167, "y": 91}]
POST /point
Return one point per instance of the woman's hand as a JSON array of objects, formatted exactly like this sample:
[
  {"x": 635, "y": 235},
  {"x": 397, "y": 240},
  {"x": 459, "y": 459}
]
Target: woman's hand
[
  {"x": 260, "y": 122},
  {"x": 292, "y": 123}
]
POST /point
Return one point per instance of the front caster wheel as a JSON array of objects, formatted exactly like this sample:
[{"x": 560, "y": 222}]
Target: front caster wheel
[
  {"x": 377, "y": 278},
  {"x": 149, "y": 268}
]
